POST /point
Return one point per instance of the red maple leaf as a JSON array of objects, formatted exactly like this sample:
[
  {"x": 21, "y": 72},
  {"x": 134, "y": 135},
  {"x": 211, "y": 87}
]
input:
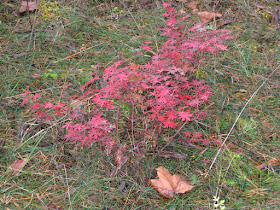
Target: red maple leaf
[
  {"x": 197, "y": 135},
  {"x": 165, "y": 4},
  {"x": 185, "y": 116},
  {"x": 59, "y": 105},
  {"x": 36, "y": 106},
  {"x": 26, "y": 93},
  {"x": 37, "y": 96},
  {"x": 48, "y": 105},
  {"x": 25, "y": 100},
  {"x": 58, "y": 112},
  {"x": 90, "y": 82},
  {"x": 67, "y": 125},
  {"x": 221, "y": 47},
  {"x": 169, "y": 124}
]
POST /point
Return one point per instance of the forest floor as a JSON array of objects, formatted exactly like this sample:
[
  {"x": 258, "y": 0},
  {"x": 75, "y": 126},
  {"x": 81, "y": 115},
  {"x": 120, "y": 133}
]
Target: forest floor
[{"x": 66, "y": 46}]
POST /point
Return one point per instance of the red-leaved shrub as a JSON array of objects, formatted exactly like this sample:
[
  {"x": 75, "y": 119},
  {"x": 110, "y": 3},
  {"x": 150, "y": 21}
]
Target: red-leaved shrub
[{"x": 162, "y": 93}]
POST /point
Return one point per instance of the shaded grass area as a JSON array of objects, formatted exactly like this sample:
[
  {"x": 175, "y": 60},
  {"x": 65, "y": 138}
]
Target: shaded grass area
[{"x": 59, "y": 174}]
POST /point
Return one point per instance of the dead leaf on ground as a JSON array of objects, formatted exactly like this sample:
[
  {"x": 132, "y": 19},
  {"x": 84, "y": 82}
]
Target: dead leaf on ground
[
  {"x": 192, "y": 5},
  {"x": 168, "y": 185},
  {"x": 75, "y": 56},
  {"x": 119, "y": 154},
  {"x": 37, "y": 76},
  {"x": 18, "y": 165},
  {"x": 20, "y": 55},
  {"x": 242, "y": 91},
  {"x": 261, "y": 6},
  {"x": 270, "y": 164},
  {"x": 120, "y": 160},
  {"x": 208, "y": 15},
  {"x": 27, "y": 6}
]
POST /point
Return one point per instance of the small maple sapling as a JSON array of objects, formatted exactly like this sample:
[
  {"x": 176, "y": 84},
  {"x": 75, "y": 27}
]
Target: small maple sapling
[{"x": 161, "y": 93}]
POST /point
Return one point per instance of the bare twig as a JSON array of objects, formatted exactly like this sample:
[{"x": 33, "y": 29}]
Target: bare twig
[
  {"x": 68, "y": 190},
  {"x": 33, "y": 26},
  {"x": 42, "y": 202}
]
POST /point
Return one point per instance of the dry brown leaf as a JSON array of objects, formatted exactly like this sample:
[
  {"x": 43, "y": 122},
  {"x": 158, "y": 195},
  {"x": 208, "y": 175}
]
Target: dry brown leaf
[
  {"x": 18, "y": 165},
  {"x": 270, "y": 164},
  {"x": 75, "y": 56},
  {"x": 37, "y": 76},
  {"x": 192, "y": 5},
  {"x": 119, "y": 154},
  {"x": 27, "y": 5},
  {"x": 208, "y": 15},
  {"x": 261, "y": 6},
  {"x": 168, "y": 185},
  {"x": 242, "y": 91},
  {"x": 120, "y": 159}
]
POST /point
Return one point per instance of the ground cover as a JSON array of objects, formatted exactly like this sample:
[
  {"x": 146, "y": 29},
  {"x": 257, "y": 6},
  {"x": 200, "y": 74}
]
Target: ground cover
[{"x": 85, "y": 37}]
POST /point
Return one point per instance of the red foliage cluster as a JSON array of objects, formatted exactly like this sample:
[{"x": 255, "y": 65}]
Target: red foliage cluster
[{"x": 162, "y": 90}]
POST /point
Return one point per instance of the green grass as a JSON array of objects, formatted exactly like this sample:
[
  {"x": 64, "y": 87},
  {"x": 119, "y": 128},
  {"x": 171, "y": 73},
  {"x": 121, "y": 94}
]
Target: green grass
[{"x": 61, "y": 174}]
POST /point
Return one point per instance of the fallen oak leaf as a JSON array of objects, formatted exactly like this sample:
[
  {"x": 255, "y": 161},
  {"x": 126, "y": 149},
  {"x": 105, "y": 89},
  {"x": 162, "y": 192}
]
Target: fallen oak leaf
[
  {"x": 28, "y": 6},
  {"x": 168, "y": 185},
  {"x": 17, "y": 165},
  {"x": 208, "y": 15}
]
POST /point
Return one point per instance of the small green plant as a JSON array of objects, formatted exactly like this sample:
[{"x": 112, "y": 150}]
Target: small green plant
[
  {"x": 117, "y": 10},
  {"x": 248, "y": 126},
  {"x": 48, "y": 11},
  {"x": 51, "y": 74},
  {"x": 219, "y": 204}
]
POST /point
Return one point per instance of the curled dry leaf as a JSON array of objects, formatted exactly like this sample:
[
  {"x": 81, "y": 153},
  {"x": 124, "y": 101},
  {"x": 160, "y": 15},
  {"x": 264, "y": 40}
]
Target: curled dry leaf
[
  {"x": 208, "y": 15},
  {"x": 73, "y": 56},
  {"x": 119, "y": 154},
  {"x": 270, "y": 164},
  {"x": 18, "y": 165},
  {"x": 120, "y": 160},
  {"x": 242, "y": 91},
  {"x": 168, "y": 185},
  {"x": 37, "y": 76},
  {"x": 27, "y": 6}
]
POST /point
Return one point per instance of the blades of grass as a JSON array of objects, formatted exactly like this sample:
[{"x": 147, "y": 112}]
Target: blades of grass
[{"x": 245, "y": 106}]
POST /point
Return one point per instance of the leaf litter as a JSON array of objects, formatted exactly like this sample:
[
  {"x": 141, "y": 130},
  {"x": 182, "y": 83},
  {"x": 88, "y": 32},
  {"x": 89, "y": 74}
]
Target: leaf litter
[{"x": 169, "y": 185}]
